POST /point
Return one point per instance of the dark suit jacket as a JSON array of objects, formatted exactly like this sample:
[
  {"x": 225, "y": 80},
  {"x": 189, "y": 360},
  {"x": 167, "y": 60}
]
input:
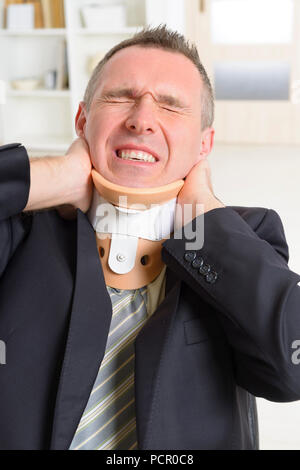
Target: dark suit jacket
[{"x": 200, "y": 359}]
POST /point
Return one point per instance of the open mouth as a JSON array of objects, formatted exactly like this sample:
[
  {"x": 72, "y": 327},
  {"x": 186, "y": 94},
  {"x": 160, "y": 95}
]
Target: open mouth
[{"x": 135, "y": 155}]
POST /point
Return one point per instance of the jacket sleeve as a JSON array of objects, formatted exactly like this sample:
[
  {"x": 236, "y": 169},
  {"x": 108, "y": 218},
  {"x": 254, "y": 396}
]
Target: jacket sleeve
[
  {"x": 14, "y": 192},
  {"x": 246, "y": 278}
]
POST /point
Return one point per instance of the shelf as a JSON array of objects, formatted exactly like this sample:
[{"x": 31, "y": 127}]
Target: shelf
[
  {"x": 33, "y": 32},
  {"x": 39, "y": 93},
  {"x": 63, "y": 31},
  {"x": 45, "y": 117},
  {"x": 94, "y": 32}
]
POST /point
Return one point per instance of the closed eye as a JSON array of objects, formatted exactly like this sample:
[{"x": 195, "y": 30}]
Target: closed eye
[
  {"x": 117, "y": 101},
  {"x": 120, "y": 101},
  {"x": 169, "y": 109}
]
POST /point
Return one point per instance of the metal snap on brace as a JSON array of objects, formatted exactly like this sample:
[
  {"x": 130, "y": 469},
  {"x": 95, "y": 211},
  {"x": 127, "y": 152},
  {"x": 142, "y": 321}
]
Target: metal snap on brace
[{"x": 120, "y": 257}]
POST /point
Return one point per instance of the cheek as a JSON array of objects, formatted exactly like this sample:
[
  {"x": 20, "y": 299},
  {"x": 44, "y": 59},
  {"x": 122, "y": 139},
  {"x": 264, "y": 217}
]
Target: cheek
[
  {"x": 181, "y": 132},
  {"x": 98, "y": 125},
  {"x": 95, "y": 132},
  {"x": 186, "y": 145},
  {"x": 185, "y": 139}
]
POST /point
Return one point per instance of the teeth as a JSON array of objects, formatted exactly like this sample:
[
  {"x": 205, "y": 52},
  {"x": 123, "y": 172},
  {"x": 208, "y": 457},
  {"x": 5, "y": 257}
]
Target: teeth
[{"x": 135, "y": 155}]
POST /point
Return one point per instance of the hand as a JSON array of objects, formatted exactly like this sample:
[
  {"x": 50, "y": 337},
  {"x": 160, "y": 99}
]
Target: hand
[
  {"x": 197, "y": 189},
  {"x": 79, "y": 166}
]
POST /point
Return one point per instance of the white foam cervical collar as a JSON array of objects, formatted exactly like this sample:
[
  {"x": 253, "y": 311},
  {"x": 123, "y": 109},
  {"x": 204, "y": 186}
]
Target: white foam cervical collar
[{"x": 126, "y": 226}]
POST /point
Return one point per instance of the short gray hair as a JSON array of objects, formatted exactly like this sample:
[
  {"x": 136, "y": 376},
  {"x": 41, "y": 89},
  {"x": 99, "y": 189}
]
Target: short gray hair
[{"x": 162, "y": 38}]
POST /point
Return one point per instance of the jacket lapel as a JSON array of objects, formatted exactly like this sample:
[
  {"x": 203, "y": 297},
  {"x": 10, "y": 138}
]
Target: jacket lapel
[
  {"x": 87, "y": 335},
  {"x": 149, "y": 347}
]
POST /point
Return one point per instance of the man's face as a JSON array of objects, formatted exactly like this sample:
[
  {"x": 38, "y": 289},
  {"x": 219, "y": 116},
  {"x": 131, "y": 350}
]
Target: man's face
[{"x": 147, "y": 100}]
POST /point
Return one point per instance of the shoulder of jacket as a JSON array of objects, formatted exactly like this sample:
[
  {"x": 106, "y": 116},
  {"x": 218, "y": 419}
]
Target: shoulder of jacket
[{"x": 252, "y": 215}]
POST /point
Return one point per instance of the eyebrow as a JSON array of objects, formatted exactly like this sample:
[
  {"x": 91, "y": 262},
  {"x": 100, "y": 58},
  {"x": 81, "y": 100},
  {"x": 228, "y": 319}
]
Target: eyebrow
[{"x": 132, "y": 94}]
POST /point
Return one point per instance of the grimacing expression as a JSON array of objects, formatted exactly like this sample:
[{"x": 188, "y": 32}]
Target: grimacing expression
[{"x": 147, "y": 101}]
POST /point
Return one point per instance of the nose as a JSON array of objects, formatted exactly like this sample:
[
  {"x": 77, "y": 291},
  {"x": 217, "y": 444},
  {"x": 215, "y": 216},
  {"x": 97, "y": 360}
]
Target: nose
[{"x": 142, "y": 118}]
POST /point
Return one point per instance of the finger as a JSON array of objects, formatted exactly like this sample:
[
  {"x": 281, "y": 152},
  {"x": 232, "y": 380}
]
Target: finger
[
  {"x": 200, "y": 173},
  {"x": 209, "y": 181},
  {"x": 207, "y": 168}
]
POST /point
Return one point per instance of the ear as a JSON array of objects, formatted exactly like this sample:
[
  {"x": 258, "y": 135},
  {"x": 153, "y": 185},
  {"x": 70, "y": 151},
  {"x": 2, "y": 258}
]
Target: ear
[
  {"x": 80, "y": 120},
  {"x": 207, "y": 142}
]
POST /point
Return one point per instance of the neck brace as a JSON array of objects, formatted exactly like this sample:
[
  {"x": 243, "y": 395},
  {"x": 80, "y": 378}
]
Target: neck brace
[{"x": 131, "y": 224}]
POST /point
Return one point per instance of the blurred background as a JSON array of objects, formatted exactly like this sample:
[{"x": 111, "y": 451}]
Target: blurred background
[{"x": 251, "y": 51}]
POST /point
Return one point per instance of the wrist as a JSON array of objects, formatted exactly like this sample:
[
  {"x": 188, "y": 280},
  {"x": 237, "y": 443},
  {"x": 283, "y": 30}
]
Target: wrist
[
  {"x": 190, "y": 209},
  {"x": 77, "y": 178}
]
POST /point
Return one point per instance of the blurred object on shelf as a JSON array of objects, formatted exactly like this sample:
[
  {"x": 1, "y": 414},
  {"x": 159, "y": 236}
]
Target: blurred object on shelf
[
  {"x": 38, "y": 13},
  {"x": 62, "y": 76},
  {"x": 2, "y": 11},
  {"x": 20, "y": 16},
  {"x": 93, "y": 61},
  {"x": 104, "y": 14},
  {"x": 26, "y": 84},
  {"x": 50, "y": 79},
  {"x": 16, "y": 14},
  {"x": 58, "y": 14},
  {"x": 46, "y": 9},
  {"x": 53, "y": 13},
  {"x": 6, "y": 4}
]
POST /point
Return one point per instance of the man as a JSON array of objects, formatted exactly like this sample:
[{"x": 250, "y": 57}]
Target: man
[{"x": 213, "y": 342}]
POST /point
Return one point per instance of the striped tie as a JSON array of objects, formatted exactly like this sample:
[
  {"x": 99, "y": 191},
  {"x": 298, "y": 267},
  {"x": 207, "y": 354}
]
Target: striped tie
[{"x": 108, "y": 421}]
